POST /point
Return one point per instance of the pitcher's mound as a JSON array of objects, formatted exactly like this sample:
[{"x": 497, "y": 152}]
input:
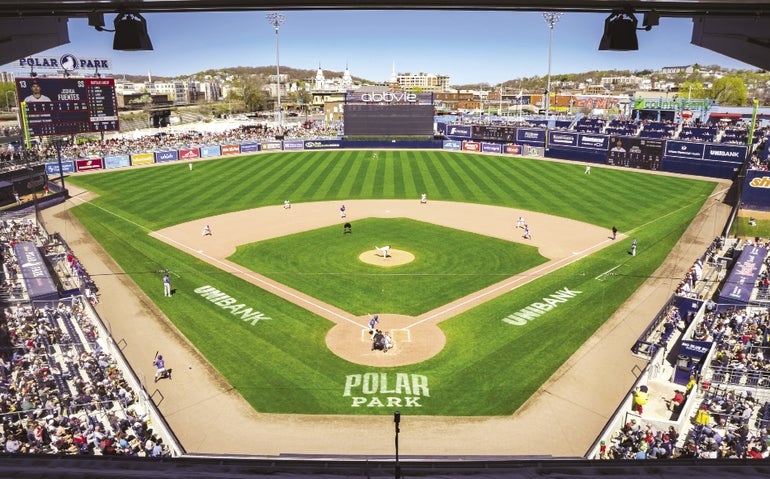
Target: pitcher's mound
[{"x": 396, "y": 257}]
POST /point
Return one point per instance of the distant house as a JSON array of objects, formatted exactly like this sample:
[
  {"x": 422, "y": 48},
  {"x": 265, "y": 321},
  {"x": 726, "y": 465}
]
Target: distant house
[{"x": 687, "y": 70}]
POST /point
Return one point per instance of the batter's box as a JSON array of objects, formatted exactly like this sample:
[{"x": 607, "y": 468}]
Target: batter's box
[{"x": 404, "y": 335}]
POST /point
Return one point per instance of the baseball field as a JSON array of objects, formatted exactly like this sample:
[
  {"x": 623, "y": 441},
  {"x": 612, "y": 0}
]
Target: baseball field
[{"x": 278, "y": 300}]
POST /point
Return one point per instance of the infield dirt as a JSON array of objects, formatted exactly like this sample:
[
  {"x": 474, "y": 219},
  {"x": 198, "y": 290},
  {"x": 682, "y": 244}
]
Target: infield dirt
[{"x": 561, "y": 419}]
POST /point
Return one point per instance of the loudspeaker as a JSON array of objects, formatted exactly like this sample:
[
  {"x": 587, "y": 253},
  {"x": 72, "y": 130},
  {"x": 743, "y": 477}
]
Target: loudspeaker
[
  {"x": 619, "y": 32},
  {"x": 131, "y": 33}
]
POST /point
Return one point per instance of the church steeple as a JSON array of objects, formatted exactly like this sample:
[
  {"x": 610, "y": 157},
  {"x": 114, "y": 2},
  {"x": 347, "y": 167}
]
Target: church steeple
[
  {"x": 347, "y": 80},
  {"x": 320, "y": 81}
]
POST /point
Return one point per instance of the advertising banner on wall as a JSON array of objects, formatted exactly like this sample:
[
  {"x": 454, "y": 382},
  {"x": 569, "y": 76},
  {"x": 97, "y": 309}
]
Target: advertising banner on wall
[
  {"x": 116, "y": 161},
  {"x": 720, "y": 152},
  {"x": 207, "y": 151},
  {"x": 530, "y": 136},
  {"x": 142, "y": 159},
  {"x": 458, "y": 131},
  {"x": 453, "y": 145},
  {"x": 249, "y": 147},
  {"x": 189, "y": 154},
  {"x": 66, "y": 167},
  {"x": 593, "y": 141},
  {"x": 740, "y": 282},
  {"x": 512, "y": 149},
  {"x": 164, "y": 156},
  {"x": 322, "y": 144},
  {"x": 90, "y": 164},
  {"x": 292, "y": 145},
  {"x": 756, "y": 190},
  {"x": 270, "y": 146},
  {"x": 491, "y": 147},
  {"x": 230, "y": 149},
  {"x": 471, "y": 146},
  {"x": 37, "y": 279},
  {"x": 685, "y": 149},
  {"x": 562, "y": 138}
]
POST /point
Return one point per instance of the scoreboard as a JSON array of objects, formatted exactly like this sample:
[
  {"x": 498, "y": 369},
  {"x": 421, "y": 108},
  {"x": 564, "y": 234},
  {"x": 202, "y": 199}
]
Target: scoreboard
[{"x": 67, "y": 106}]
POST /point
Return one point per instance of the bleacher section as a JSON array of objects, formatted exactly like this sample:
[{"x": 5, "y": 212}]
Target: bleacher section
[
  {"x": 657, "y": 129},
  {"x": 65, "y": 387},
  {"x": 590, "y": 125},
  {"x": 622, "y": 128}
]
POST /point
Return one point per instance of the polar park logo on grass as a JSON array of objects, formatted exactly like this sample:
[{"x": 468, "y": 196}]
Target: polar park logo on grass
[{"x": 386, "y": 389}]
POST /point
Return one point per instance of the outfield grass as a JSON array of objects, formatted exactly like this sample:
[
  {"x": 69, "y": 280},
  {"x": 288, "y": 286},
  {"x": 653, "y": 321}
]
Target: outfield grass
[{"x": 488, "y": 367}]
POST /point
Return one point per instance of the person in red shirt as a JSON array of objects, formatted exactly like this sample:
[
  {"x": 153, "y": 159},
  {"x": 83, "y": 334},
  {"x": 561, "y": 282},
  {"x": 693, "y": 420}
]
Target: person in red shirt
[{"x": 676, "y": 402}]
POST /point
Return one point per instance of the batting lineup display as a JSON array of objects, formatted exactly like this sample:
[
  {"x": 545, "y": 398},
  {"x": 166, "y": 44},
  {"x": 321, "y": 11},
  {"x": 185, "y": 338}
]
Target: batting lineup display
[{"x": 67, "y": 106}]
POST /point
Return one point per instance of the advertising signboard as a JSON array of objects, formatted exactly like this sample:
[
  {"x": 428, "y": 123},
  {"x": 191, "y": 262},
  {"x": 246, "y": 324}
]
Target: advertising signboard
[
  {"x": 491, "y": 147},
  {"x": 592, "y": 141},
  {"x": 66, "y": 167},
  {"x": 460, "y": 131},
  {"x": 293, "y": 145},
  {"x": 230, "y": 149},
  {"x": 189, "y": 154},
  {"x": 142, "y": 159},
  {"x": 116, "y": 161},
  {"x": 684, "y": 149},
  {"x": 562, "y": 138},
  {"x": 164, "y": 156},
  {"x": 322, "y": 144},
  {"x": 740, "y": 282},
  {"x": 530, "y": 136},
  {"x": 207, "y": 151},
  {"x": 89, "y": 164},
  {"x": 512, "y": 149},
  {"x": 756, "y": 190},
  {"x": 720, "y": 152}
]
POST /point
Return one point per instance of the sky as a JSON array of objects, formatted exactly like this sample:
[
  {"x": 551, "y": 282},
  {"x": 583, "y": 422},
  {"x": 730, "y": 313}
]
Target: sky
[{"x": 468, "y": 46}]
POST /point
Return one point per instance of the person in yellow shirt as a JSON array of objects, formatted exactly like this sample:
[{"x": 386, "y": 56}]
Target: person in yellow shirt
[{"x": 641, "y": 397}]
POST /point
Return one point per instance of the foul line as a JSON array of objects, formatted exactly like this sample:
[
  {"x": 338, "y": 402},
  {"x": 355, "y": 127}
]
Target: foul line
[
  {"x": 532, "y": 276},
  {"x": 267, "y": 285},
  {"x": 608, "y": 271}
]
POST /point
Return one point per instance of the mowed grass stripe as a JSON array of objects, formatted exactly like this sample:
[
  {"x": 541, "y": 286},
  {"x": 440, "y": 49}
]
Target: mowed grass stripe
[
  {"x": 463, "y": 380},
  {"x": 445, "y": 181},
  {"x": 484, "y": 172},
  {"x": 405, "y": 170},
  {"x": 335, "y": 175},
  {"x": 277, "y": 178}
]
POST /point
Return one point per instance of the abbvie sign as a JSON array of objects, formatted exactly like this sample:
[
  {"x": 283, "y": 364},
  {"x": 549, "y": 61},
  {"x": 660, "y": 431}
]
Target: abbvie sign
[{"x": 389, "y": 97}]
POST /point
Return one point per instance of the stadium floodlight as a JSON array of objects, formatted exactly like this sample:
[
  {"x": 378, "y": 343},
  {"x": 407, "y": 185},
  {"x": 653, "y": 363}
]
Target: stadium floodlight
[
  {"x": 550, "y": 18},
  {"x": 276, "y": 20}
]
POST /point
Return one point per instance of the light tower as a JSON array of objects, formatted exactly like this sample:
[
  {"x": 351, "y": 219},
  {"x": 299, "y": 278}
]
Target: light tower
[
  {"x": 551, "y": 18},
  {"x": 276, "y": 20}
]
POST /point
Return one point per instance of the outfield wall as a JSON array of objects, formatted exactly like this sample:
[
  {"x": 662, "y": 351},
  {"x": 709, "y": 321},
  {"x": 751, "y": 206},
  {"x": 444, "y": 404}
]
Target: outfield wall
[{"x": 713, "y": 160}]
